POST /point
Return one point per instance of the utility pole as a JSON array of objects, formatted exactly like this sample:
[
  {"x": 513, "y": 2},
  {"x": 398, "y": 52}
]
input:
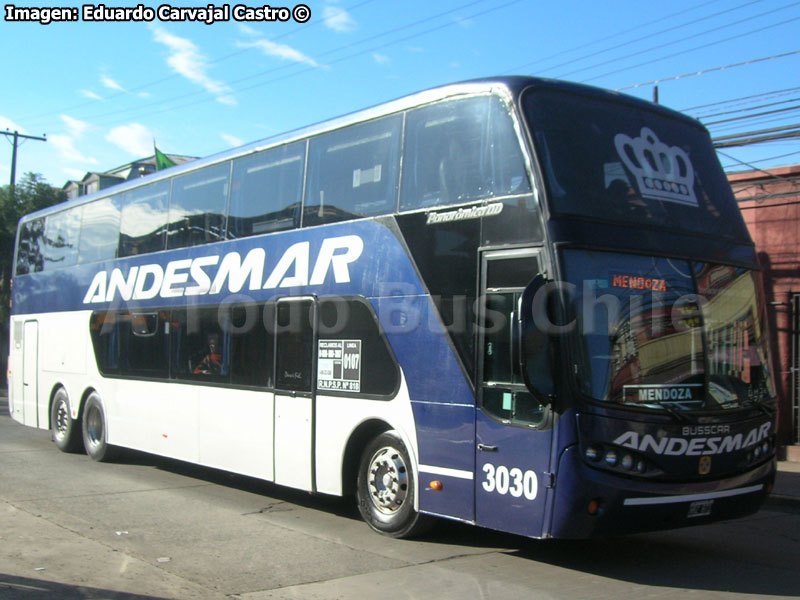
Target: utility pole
[{"x": 16, "y": 135}]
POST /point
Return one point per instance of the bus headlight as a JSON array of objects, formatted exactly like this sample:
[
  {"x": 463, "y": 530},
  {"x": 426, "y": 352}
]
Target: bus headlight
[
  {"x": 611, "y": 458},
  {"x": 594, "y": 453}
]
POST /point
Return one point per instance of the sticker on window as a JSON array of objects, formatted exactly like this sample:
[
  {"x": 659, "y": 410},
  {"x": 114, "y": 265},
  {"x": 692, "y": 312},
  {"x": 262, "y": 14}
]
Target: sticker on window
[
  {"x": 662, "y": 172},
  {"x": 339, "y": 365}
]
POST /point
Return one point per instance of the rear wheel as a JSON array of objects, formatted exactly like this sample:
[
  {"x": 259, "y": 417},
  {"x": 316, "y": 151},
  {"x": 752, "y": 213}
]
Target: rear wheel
[
  {"x": 66, "y": 431},
  {"x": 94, "y": 430},
  {"x": 386, "y": 489}
]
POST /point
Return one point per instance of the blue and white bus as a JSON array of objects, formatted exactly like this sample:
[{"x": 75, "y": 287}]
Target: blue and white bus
[{"x": 524, "y": 304}]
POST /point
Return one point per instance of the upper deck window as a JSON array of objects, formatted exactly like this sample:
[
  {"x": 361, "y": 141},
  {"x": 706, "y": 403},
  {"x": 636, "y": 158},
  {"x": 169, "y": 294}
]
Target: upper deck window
[
  {"x": 144, "y": 219},
  {"x": 461, "y": 150},
  {"x": 61, "y": 233},
  {"x": 619, "y": 161},
  {"x": 99, "y": 230},
  {"x": 29, "y": 250},
  {"x": 267, "y": 190},
  {"x": 353, "y": 172},
  {"x": 197, "y": 207}
]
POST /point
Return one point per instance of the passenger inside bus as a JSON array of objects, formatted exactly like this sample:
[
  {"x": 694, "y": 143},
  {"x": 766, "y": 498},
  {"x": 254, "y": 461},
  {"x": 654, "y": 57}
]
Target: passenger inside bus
[{"x": 211, "y": 364}]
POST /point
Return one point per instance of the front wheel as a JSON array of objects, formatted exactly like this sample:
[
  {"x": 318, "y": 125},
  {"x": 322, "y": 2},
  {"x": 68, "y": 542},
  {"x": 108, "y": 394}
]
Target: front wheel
[
  {"x": 94, "y": 430},
  {"x": 386, "y": 489},
  {"x": 66, "y": 432}
]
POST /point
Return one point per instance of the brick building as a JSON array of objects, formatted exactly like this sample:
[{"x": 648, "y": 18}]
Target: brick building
[{"x": 770, "y": 203}]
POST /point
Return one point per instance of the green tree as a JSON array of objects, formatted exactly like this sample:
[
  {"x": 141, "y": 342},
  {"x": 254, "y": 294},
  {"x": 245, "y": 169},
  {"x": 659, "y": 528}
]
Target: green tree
[{"x": 31, "y": 193}]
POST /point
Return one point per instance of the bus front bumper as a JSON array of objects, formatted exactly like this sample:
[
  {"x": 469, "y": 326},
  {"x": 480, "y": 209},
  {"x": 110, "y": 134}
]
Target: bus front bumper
[{"x": 593, "y": 503}]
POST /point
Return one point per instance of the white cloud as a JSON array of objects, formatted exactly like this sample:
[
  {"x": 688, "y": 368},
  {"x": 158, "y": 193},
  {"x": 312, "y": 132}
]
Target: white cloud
[
  {"x": 65, "y": 146},
  {"x": 135, "y": 139},
  {"x": 231, "y": 140},
  {"x": 186, "y": 60},
  {"x": 247, "y": 30},
  {"x": 6, "y": 123},
  {"x": 73, "y": 174},
  {"x": 75, "y": 127},
  {"x": 338, "y": 19},
  {"x": 90, "y": 94},
  {"x": 381, "y": 59},
  {"x": 111, "y": 84},
  {"x": 281, "y": 51}
]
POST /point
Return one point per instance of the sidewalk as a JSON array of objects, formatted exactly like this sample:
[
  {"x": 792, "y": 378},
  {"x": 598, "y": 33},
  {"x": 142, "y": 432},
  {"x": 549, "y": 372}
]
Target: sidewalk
[{"x": 787, "y": 485}]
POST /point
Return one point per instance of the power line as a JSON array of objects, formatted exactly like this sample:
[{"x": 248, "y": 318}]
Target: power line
[
  {"x": 701, "y": 47},
  {"x": 739, "y": 110},
  {"x": 647, "y": 37},
  {"x": 757, "y": 137},
  {"x": 743, "y": 99},
  {"x": 711, "y": 70},
  {"x": 753, "y": 116},
  {"x": 758, "y": 169},
  {"x": 621, "y": 33}
]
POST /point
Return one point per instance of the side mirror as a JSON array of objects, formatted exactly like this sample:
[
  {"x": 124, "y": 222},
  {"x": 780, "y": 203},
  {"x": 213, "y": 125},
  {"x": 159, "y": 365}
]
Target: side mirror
[{"x": 535, "y": 344}]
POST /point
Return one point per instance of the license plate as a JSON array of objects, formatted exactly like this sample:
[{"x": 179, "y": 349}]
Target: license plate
[{"x": 700, "y": 508}]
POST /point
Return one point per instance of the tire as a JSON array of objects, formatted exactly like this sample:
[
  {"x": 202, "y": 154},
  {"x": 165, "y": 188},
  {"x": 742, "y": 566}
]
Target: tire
[
  {"x": 386, "y": 488},
  {"x": 94, "y": 430},
  {"x": 66, "y": 431}
]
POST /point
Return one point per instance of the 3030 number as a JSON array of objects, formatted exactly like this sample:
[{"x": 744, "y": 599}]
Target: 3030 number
[{"x": 512, "y": 481}]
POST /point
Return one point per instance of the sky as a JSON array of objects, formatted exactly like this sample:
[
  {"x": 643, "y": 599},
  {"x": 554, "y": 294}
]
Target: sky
[{"x": 104, "y": 92}]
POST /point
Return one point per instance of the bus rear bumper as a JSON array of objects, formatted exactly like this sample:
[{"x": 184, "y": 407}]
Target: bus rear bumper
[{"x": 623, "y": 505}]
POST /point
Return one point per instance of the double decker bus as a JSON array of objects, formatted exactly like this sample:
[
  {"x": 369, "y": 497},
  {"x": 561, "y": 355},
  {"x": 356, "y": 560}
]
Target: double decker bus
[{"x": 524, "y": 304}]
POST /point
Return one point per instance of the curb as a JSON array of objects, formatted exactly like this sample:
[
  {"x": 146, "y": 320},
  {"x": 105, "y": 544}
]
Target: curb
[{"x": 779, "y": 501}]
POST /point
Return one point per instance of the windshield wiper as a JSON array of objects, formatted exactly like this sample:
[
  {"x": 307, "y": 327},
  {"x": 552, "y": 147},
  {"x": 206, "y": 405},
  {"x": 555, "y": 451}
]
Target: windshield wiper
[
  {"x": 679, "y": 415},
  {"x": 767, "y": 410}
]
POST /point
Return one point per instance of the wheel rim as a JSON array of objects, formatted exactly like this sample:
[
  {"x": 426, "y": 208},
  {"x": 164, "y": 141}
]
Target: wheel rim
[
  {"x": 387, "y": 480},
  {"x": 94, "y": 426},
  {"x": 61, "y": 419}
]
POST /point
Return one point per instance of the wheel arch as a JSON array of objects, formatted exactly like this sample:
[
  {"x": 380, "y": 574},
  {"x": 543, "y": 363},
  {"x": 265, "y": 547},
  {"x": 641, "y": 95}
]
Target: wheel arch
[
  {"x": 358, "y": 440},
  {"x": 84, "y": 396},
  {"x": 58, "y": 385}
]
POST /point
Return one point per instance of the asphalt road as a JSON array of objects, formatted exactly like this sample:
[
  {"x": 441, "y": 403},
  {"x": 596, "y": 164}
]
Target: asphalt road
[{"x": 145, "y": 527}]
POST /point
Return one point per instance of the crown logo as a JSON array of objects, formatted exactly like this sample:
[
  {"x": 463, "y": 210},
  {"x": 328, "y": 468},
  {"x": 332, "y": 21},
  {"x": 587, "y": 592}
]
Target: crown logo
[{"x": 662, "y": 172}]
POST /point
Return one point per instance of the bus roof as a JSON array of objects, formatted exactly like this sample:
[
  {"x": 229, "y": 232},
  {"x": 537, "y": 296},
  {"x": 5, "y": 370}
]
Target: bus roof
[{"x": 508, "y": 86}]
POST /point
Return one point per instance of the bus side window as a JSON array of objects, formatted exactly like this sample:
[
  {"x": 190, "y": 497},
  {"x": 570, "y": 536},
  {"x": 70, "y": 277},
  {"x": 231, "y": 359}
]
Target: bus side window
[
  {"x": 266, "y": 191},
  {"x": 349, "y": 326},
  {"x": 197, "y": 207},
  {"x": 143, "y": 219},
  {"x": 353, "y": 172},
  {"x": 29, "y": 251},
  {"x": 200, "y": 348},
  {"x": 459, "y": 151},
  {"x": 61, "y": 233},
  {"x": 99, "y": 230},
  {"x": 143, "y": 345}
]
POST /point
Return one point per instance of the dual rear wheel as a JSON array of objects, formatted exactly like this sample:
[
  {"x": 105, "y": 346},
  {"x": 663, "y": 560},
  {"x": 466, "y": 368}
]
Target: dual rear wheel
[{"x": 70, "y": 435}]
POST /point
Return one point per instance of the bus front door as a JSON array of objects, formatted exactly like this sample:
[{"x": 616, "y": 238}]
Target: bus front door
[
  {"x": 30, "y": 373},
  {"x": 513, "y": 444},
  {"x": 295, "y": 374}
]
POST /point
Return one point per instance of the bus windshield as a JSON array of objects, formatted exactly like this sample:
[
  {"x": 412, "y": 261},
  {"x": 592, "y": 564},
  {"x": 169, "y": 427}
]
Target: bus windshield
[
  {"x": 617, "y": 161},
  {"x": 666, "y": 333}
]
